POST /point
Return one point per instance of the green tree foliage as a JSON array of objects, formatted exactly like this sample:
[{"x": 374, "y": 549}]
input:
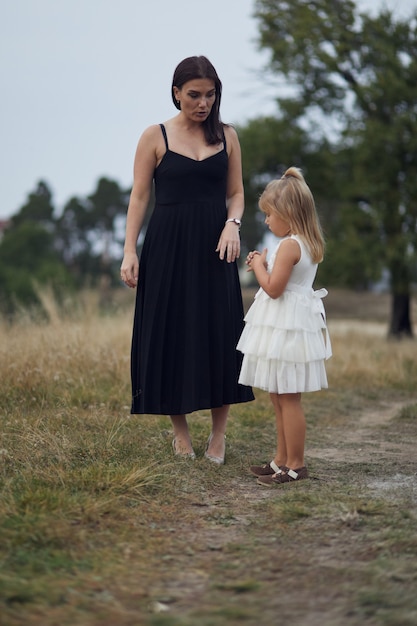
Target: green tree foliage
[
  {"x": 72, "y": 240},
  {"x": 356, "y": 75},
  {"x": 88, "y": 236},
  {"x": 81, "y": 246},
  {"x": 28, "y": 257},
  {"x": 268, "y": 145},
  {"x": 38, "y": 208}
]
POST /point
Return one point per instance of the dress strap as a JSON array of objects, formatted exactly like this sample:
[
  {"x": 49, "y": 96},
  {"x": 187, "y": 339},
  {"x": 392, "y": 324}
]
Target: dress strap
[
  {"x": 224, "y": 141},
  {"x": 164, "y": 132}
]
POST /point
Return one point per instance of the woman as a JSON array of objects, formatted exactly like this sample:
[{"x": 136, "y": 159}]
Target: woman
[{"x": 189, "y": 312}]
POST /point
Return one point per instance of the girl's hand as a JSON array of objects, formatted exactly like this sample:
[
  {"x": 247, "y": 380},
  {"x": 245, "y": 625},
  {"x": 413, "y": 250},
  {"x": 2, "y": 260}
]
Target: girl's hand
[
  {"x": 229, "y": 243},
  {"x": 255, "y": 257},
  {"x": 129, "y": 269}
]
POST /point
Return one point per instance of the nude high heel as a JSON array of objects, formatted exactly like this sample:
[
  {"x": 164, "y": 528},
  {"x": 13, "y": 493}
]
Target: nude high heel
[
  {"x": 219, "y": 460},
  {"x": 187, "y": 455}
]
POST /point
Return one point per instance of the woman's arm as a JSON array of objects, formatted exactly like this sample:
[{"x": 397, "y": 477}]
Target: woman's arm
[
  {"x": 229, "y": 241},
  {"x": 146, "y": 159}
]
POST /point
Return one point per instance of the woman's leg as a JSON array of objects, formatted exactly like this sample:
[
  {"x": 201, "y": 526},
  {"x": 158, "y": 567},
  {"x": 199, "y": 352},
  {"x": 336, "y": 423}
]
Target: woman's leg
[
  {"x": 219, "y": 417},
  {"x": 281, "y": 452},
  {"x": 294, "y": 427},
  {"x": 182, "y": 440}
]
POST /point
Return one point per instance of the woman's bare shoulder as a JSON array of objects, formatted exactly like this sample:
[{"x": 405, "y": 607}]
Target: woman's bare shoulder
[
  {"x": 151, "y": 139},
  {"x": 231, "y": 136},
  {"x": 230, "y": 132},
  {"x": 151, "y": 132}
]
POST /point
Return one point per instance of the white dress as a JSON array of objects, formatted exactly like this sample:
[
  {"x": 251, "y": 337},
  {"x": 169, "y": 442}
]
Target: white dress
[{"x": 285, "y": 340}]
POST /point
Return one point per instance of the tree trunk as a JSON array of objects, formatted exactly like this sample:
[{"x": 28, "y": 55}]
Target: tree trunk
[{"x": 400, "y": 325}]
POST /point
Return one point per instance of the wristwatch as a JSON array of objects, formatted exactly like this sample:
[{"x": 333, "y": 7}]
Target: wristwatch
[{"x": 235, "y": 220}]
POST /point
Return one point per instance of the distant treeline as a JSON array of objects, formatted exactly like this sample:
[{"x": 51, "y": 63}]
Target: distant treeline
[{"x": 347, "y": 117}]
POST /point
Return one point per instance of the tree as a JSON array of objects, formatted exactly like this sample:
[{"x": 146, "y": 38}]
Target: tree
[
  {"x": 268, "y": 145},
  {"x": 27, "y": 261},
  {"x": 88, "y": 234},
  {"x": 81, "y": 246},
  {"x": 28, "y": 257},
  {"x": 38, "y": 208},
  {"x": 355, "y": 76},
  {"x": 108, "y": 203}
]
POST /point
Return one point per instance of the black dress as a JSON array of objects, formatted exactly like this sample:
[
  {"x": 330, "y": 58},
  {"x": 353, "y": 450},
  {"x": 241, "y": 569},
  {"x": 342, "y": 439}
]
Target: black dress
[{"x": 189, "y": 313}]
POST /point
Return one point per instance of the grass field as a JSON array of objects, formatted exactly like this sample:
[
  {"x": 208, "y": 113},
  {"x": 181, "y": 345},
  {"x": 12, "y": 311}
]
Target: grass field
[{"x": 101, "y": 526}]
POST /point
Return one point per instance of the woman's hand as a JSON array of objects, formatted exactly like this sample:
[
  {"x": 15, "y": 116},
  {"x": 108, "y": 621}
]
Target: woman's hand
[
  {"x": 229, "y": 243},
  {"x": 129, "y": 269}
]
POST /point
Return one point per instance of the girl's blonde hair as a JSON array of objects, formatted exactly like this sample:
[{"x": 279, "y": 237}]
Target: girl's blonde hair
[{"x": 290, "y": 198}]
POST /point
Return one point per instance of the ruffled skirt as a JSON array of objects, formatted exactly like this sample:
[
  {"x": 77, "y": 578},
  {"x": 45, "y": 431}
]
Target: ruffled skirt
[{"x": 285, "y": 342}]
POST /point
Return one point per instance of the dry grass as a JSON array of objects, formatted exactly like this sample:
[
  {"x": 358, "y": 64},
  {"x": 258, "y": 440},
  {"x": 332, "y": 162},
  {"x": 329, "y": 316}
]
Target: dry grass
[
  {"x": 99, "y": 525},
  {"x": 362, "y": 354}
]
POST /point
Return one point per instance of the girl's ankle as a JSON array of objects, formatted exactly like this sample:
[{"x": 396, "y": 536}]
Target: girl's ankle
[{"x": 280, "y": 463}]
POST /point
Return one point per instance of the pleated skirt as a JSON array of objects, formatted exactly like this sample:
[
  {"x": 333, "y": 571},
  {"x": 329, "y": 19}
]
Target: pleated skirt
[{"x": 188, "y": 315}]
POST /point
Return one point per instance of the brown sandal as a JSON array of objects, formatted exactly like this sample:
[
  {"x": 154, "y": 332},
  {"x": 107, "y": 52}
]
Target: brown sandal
[{"x": 284, "y": 477}]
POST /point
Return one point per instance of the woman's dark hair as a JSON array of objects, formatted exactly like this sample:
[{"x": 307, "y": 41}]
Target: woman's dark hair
[{"x": 200, "y": 67}]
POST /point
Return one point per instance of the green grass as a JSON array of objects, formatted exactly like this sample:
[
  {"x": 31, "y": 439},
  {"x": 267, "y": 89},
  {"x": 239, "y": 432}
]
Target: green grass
[{"x": 101, "y": 525}]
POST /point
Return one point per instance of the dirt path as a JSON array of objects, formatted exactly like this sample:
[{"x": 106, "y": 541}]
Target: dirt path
[
  {"x": 363, "y": 440},
  {"x": 248, "y": 554}
]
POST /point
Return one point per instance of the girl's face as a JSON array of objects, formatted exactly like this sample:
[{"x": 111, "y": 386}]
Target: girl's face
[
  {"x": 278, "y": 226},
  {"x": 196, "y": 98}
]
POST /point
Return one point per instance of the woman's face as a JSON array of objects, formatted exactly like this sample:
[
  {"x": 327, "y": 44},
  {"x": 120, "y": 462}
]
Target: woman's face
[{"x": 196, "y": 98}]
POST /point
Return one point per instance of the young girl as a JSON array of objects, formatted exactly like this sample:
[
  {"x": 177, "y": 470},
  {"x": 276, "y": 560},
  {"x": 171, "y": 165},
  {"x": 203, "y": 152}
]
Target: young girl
[{"x": 285, "y": 340}]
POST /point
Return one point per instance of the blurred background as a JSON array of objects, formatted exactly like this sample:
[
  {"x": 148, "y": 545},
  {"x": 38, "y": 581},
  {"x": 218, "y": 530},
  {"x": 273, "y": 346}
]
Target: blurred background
[{"x": 329, "y": 88}]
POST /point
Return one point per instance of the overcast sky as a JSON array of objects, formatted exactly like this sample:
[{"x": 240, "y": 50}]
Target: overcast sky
[{"x": 81, "y": 80}]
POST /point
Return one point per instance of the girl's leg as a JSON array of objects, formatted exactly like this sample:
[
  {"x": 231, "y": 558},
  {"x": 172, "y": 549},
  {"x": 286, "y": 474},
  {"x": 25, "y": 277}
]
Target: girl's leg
[
  {"x": 182, "y": 441},
  {"x": 217, "y": 444},
  {"x": 281, "y": 452},
  {"x": 294, "y": 427}
]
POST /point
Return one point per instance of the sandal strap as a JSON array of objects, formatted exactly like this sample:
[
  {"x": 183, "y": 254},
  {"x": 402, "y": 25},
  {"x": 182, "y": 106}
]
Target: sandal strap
[
  {"x": 275, "y": 467},
  {"x": 293, "y": 474},
  {"x": 300, "y": 472}
]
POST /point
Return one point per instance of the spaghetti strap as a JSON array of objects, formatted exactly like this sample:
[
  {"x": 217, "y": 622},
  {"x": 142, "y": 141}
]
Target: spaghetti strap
[{"x": 164, "y": 132}]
